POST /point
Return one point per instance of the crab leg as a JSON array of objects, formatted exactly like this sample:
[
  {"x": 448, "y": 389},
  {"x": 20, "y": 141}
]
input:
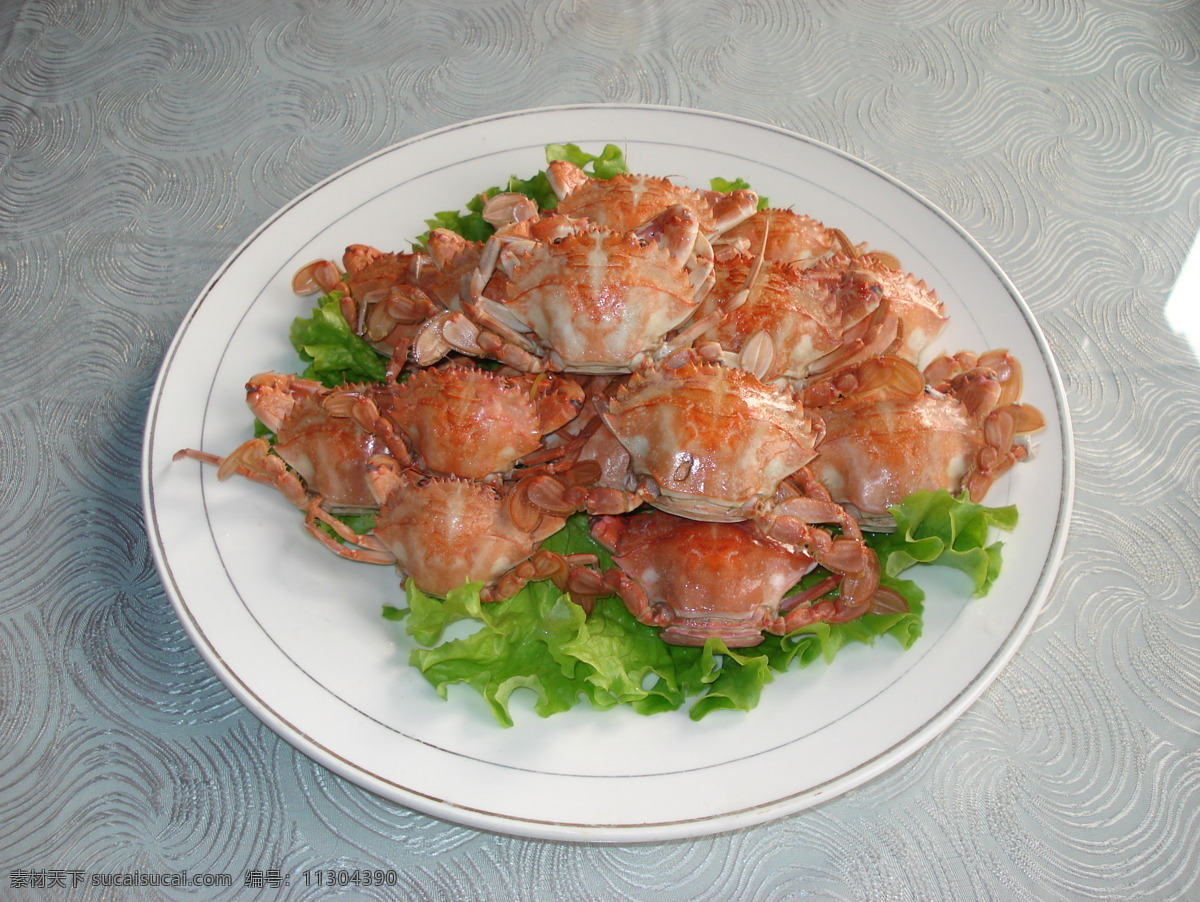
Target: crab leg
[
  {"x": 253, "y": 460},
  {"x": 365, "y": 549}
]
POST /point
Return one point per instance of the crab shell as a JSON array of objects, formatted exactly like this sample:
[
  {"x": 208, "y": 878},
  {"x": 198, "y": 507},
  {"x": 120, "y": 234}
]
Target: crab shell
[
  {"x": 700, "y": 580},
  {"x": 439, "y": 273},
  {"x": 874, "y": 455},
  {"x": 784, "y": 236},
  {"x": 713, "y": 441},
  {"x": 391, "y": 295},
  {"x": 624, "y": 202},
  {"x": 890, "y": 434},
  {"x": 465, "y": 421},
  {"x": 595, "y": 300},
  {"x": 329, "y": 452},
  {"x": 445, "y": 531},
  {"x": 919, "y": 313},
  {"x": 798, "y": 318}
]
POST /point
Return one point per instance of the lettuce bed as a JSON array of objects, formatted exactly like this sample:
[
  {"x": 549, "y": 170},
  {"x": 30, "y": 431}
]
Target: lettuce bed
[{"x": 542, "y": 641}]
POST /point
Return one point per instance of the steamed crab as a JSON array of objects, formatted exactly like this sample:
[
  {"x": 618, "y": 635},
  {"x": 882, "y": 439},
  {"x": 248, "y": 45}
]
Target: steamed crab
[
  {"x": 783, "y": 322},
  {"x": 784, "y": 236},
  {"x": 891, "y": 430},
  {"x": 567, "y": 295},
  {"x": 624, "y": 202},
  {"x": 316, "y": 451},
  {"x": 919, "y": 314},
  {"x": 462, "y": 420},
  {"x": 444, "y": 531},
  {"x": 387, "y": 296},
  {"x": 456, "y": 420},
  {"x": 708, "y": 441},
  {"x": 700, "y": 580}
]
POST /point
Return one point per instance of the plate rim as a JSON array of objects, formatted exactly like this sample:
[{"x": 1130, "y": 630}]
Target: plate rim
[{"x": 900, "y": 751}]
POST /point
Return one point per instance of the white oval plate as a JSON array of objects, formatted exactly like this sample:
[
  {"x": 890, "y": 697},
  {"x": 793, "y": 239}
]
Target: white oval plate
[{"x": 297, "y": 635}]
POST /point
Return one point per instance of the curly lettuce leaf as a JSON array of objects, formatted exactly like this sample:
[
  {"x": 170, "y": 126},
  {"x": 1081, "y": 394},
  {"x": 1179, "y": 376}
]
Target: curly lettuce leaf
[
  {"x": 334, "y": 354},
  {"x": 540, "y": 640},
  {"x": 610, "y": 161},
  {"x": 513, "y": 648},
  {"x": 938, "y": 528}
]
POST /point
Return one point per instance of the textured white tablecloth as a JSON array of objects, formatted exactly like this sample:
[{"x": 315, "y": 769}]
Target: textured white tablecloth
[{"x": 141, "y": 141}]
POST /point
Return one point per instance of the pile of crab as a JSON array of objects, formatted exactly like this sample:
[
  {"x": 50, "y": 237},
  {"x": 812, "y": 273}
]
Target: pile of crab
[{"x": 732, "y": 395}]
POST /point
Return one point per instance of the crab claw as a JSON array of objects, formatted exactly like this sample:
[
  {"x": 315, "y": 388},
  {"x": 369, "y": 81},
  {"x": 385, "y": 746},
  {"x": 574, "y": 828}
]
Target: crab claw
[
  {"x": 872, "y": 380},
  {"x": 856, "y": 566},
  {"x": 566, "y": 571},
  {"x": 1000, "y": 452},
  {"x": 676, "y": 228},
  {"x": 565, "y": 178},
  {"x": 502, "y": 209},
  {"x": 319, "y": 275},
  {"x": 272, "y": 396},
  {"x": 253, "y": 460}
]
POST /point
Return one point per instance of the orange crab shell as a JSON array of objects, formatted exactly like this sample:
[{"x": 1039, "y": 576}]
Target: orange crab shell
[
  {"x": 329, "y": 452},
  {"x": 472, "y": 423},
  {"x": 698, "y": 579},
  {"x": 887, "y": 434},
  {"x": 438, "y": 274},
  {"x": 876, "y": 454},
  {"x": 445, "y": 531},
  {"x": 625, "y": 202},
  {"x": 806, "y": 314},
  {"x": 786, "y": 237},
  {"x": 599, "y": 300},
  {"x": 714, "y": 439},
  {"x": 920, "y": 314}
]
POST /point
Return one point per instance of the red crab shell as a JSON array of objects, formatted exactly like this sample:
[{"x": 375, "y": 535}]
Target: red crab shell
[
  {"x": 799, "y": 318},
  {"x": 329, "y": 452},
  {"x": 888, "y": 434},
  {"x": 439, "y": 274},
  {"x": 919, "y": 313},
  {"x": 700, "y": 580},
  {"x": 575, "y": 297},
  {"x": 875, "y": 455}
]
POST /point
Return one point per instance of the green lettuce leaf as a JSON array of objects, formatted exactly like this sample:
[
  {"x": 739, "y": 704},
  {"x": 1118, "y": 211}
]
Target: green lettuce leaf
[
  {"x": 938, "y": 528},
  {"x": 334, "y": 354},
  {"x": 610, "y": 162},
  {"x": 513, "y": 648},
  {"x": 541, "y": 641}
]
